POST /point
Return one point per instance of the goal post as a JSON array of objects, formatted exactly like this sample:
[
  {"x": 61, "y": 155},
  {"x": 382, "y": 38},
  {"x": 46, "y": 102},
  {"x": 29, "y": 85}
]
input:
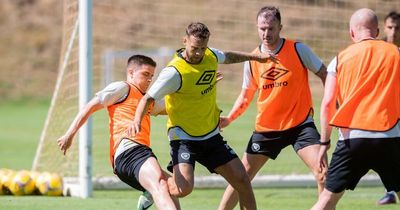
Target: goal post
[
  {"x": 85, "y": 93},
  {"x": 83, "y": 24}
]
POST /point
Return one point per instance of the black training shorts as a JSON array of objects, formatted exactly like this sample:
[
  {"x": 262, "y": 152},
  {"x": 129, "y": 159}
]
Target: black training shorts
[
  {"x": 353, "y": 158},
  {"x": 271, "y": 143},
  {"x": 211, "y": 153},
  {"x": 128, "y": 163}
]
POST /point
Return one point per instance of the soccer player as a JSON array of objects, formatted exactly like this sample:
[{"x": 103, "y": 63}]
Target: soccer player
[
  {"x": 392, "y": 28},
  {"x": 188, "y": 85},
  {"x": 367, "y": 89},
  {"x": 392, "y": 35},
  {"x": 131, "y": 156},
  {"x": 285, "y": 113}
]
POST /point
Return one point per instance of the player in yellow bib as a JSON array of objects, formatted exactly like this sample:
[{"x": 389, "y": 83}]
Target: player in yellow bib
[
  {"x": 202, "y": 119},
  {"x": 188, "y": 84}
]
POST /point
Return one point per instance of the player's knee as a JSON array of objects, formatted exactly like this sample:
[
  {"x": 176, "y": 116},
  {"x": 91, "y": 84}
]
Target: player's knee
[
  {"x": 163, "y": 185},
  {"x": 159, "y": 187},
  {"x": 245, "y": 179},
  {"x": 319, "y": 176},
  {"x": 241, "y": 181},
  {"x": 184, "y": 191}
]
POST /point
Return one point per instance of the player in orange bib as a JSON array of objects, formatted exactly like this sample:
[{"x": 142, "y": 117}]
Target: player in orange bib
[
  {"x": 364, "y": 79},
  {"x": 131, "y": 156},
  {"x": 284, "y": 104}
]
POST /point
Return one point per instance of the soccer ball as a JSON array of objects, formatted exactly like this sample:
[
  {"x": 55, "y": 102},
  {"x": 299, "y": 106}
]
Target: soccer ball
[
  {"x": 41, "y": 182},
  {"x": 34, "y": 176},
  {"x": 2, "y": 173},
  {"x": 6, "y": 177},
  {"x": 22, "y": 184},
  {"x": 50, "y": 184}
]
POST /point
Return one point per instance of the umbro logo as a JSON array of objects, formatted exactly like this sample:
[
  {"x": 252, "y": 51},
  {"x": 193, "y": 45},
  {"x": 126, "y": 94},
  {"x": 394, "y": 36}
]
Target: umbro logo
[
  {"x": 206, "y": 78},
  {"x": 274, "y": 73}
]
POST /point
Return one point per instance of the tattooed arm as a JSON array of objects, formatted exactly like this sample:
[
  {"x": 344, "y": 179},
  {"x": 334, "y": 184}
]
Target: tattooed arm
[{"x": 238, "y": 57}]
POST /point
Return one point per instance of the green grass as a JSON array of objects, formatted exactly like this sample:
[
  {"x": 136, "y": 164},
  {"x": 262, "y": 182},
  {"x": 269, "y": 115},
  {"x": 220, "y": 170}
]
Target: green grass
[
  {"x": 21, "y": 125},
  {"x": 200, "y": 199}
]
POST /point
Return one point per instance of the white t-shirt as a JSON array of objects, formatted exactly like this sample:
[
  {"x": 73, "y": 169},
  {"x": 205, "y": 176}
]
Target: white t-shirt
[
  {"x": 169, "y": 82},
  {"x": 345, "y": 133}
]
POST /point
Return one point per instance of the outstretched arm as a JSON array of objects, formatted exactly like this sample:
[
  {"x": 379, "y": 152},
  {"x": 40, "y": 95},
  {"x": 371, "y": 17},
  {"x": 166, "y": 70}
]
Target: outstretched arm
[
  {"x": 238, "y": 57},
  {"x": 65, "y": 141},
  {"x": 141, "y": 110},
  {"x": 240, "y": 106}
]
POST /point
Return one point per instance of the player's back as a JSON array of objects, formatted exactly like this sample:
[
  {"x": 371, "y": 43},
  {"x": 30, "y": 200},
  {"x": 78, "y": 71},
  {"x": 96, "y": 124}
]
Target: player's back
[{"x": 368, "y": 77}]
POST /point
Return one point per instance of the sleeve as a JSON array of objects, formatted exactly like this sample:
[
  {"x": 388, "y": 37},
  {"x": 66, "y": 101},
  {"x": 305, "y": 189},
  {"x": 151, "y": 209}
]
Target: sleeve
[
  {"x": 220, "y": 55},
  {"x": 159, "y": 106},
  {"x": 308, "y": 58},
  {"x": 332, "y": 66},
  {"x": 113, "y": 93},
  {"x": 248, "y": 80},
  {"x": 169, "y": 81}
]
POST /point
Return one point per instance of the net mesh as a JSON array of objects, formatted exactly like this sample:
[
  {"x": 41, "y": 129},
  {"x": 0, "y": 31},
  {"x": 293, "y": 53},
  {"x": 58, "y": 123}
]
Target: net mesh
[{"x": 135, "y": 26}]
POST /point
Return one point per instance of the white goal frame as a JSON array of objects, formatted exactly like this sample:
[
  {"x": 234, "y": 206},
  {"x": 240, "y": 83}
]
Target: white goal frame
[
  {"x": 85, "y": 91},
  {"x": 83, "y": 187}
]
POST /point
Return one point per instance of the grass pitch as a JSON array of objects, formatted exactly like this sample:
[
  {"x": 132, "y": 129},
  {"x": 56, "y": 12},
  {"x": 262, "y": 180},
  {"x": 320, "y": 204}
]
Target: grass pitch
[
  {"x": 21, "y": 125},
  {"x": 200, "y": 199}
]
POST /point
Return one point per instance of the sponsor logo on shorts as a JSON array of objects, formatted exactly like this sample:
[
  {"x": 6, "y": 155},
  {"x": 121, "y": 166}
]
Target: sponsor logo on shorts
[
  {"x": 185, "y": 156},
  {"x": 255, "y": 147}
]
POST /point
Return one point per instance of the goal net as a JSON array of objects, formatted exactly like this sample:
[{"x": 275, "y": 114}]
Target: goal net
[{"x": 155, "y": 28}]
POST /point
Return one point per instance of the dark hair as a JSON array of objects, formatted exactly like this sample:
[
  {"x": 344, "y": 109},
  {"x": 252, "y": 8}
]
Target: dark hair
[
  {"x": 393, "y": 15},
  {"x": 270, "y": 12},
  {"x": 198, "y": 30},
  {"x": 139, "y": 60}
]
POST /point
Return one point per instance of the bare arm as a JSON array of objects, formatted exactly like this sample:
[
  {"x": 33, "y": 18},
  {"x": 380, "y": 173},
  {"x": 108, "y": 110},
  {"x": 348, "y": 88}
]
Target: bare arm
[
  {"x": 65, "y": 141},
  {"x": 238, "y": 57},
  {"x": 328, "y": 109},
  {"x": 240, "y": 106},
  {"x": 328, "y": 106},
  {"x": 322, "y": 73},
  {"x": 141, "y": 110}
]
